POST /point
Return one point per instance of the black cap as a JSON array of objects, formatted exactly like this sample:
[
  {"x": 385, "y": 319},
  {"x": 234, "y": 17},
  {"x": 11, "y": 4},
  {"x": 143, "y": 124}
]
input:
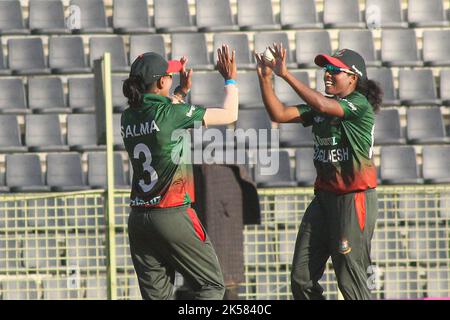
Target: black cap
[
  {"x": 151, "y": 66},
  {"x": 345, "y": 58}
]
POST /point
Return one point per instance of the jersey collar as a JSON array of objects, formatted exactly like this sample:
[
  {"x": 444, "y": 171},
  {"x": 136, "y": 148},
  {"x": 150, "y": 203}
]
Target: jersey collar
[{"x": 149, "y": 98}]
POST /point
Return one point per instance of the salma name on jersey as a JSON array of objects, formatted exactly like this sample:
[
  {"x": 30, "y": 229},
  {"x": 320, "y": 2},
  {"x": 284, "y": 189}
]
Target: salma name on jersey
[{"x": 137, "y": 130}]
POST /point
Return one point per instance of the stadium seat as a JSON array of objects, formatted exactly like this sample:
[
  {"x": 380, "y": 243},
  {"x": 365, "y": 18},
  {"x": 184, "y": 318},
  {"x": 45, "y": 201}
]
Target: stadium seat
[
  {"x": 131, "y": 16},
  {"x": 66, "y": 55},
  {"x": 342, "y": 14},
  {"x": 119, "y": 101},
  {"x": 43, "y": 133},
  {"x": 85, "y": 251},
  {"x": 425, "y": 126},
  {"x": 82, "y": 133},
  {"x": 266, "y": 39},
  {"x": 82, "y": 94},
  {"x": 10, "y": 137},
  {"x": 436, "y": 45},
  {"x": 387, "y": 245},
  {"x": 207, "y": 89},
  {"x": 295, "y": 135},
  {"x": 399, "y": 166},
  {"x": 426, "y": 14},
  {"x": 47, "y": 17},
  {"x": 305, "y": 172},
  {"x": 399, "y": 48},
  {"x": 435, "y": 164},
  {"x": 115, "y": 46},
  {"x": 280, "y": 176},
  {"x": 444, "y": 87},
  {"x": 249, "y": 90},
  {"x": 18, "y": 289},
  {"x": 117, "y": 137},
  {"x": 64, "y": 172},
  {"x": 438, "y": 282},
  {"x": 24, "y": 174},
  {"x": 401, "y": 283},
  {"x": 46, "y": 95},
  {"x": 417, "y": 88},
  {"x": 93, "y": 17},
  {"x": 427, "y": 244},
  {"x": 284, "y": 91},
  {"x": 362, "y": 42},
  {"x": 19, "y": 53},
  {"x": 97, "y": 177},
  {"x": 140, "y": 44},
  {"x": 309, "y": 44},
  {"x": 11, "y": 19},
  {"x": 4, "y": 71},
  {"x": 387, "y": 129},
  {"x": 385, "y": 80},
  {"x": 384, "y": 14},
  {"x": 256, "y": 15},
  {"x": 299, "y": 14},
  {"x": 193, "y": 46},
  {"x": 172, "y": 16},
  {"x": 214, "y": 16},
  {"x": 253, "y": 119},
  {"x": 3, "y": 189},
  {"x": 40, "y": 252},
  {"x": 239, "y": 41}
]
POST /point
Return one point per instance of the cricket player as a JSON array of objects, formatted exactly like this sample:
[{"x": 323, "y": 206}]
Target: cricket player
[
  {"x": 164, "y": 231},
  {"x": 340, "y": 220}
]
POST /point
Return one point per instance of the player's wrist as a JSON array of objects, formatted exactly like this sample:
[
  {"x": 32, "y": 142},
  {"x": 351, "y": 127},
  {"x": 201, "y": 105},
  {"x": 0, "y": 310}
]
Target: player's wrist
[
  {"x": 230, "y": 81},
  {"x": 181, "y": 92}
]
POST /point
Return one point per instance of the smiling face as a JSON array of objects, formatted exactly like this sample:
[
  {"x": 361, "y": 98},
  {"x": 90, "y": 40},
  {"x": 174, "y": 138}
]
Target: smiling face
[{"x": 339, "y": 84}]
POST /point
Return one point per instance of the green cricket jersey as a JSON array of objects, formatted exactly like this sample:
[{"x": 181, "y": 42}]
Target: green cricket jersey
[
  {"x": 151, "y": 137},
  {"x": 343, "y": 147}
]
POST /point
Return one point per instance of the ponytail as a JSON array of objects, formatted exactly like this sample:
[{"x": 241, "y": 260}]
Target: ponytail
[
  {"x": 372, "y": 91},
  {"x": 133, "y": 88}
]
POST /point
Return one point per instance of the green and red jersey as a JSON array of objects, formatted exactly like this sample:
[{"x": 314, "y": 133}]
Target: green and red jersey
[
  {"x": 154, "y": 142},
  {"x": 343, "y": 147}
]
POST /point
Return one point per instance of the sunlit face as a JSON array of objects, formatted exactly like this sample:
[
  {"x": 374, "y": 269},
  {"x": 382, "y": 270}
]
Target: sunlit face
[{"x": 337, "y": 82}]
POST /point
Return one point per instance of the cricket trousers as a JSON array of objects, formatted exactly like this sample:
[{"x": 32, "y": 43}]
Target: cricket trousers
[
  {"x": 166, "y": 240},
  {"x": 340, "y": 226}
]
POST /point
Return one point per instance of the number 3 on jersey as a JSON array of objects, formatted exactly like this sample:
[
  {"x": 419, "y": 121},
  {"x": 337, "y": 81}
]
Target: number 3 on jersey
[{"x": 142, "y": 148}]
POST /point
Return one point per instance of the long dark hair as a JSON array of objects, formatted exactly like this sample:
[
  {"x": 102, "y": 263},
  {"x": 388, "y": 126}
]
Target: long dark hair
[
  {"x": 372, "y": 91},
  {"x": 134, "y": 88}
]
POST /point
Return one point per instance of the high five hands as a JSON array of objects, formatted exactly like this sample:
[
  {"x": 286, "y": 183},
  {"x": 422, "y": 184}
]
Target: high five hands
[{"x": 264, "y": 67}]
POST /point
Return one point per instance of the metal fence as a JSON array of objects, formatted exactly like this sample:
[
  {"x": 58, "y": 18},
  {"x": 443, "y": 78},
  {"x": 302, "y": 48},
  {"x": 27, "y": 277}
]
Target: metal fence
[{"x": 52, "y": 246}]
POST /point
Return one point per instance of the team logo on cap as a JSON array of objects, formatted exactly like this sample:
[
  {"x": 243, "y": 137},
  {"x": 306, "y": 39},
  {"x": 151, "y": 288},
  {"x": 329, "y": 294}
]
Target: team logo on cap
[
  {"x": 339, "y": 53},
  {"x": 357, "y": 70}
]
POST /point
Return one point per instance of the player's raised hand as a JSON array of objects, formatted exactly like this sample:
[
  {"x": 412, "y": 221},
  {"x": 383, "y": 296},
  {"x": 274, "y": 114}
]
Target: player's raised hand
[
  {"x": 263, "y": 67},
  {"x": 279, "y": 62},
  {"x": 226, "y": 62},
  {"x": 185, "y": 76}
]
